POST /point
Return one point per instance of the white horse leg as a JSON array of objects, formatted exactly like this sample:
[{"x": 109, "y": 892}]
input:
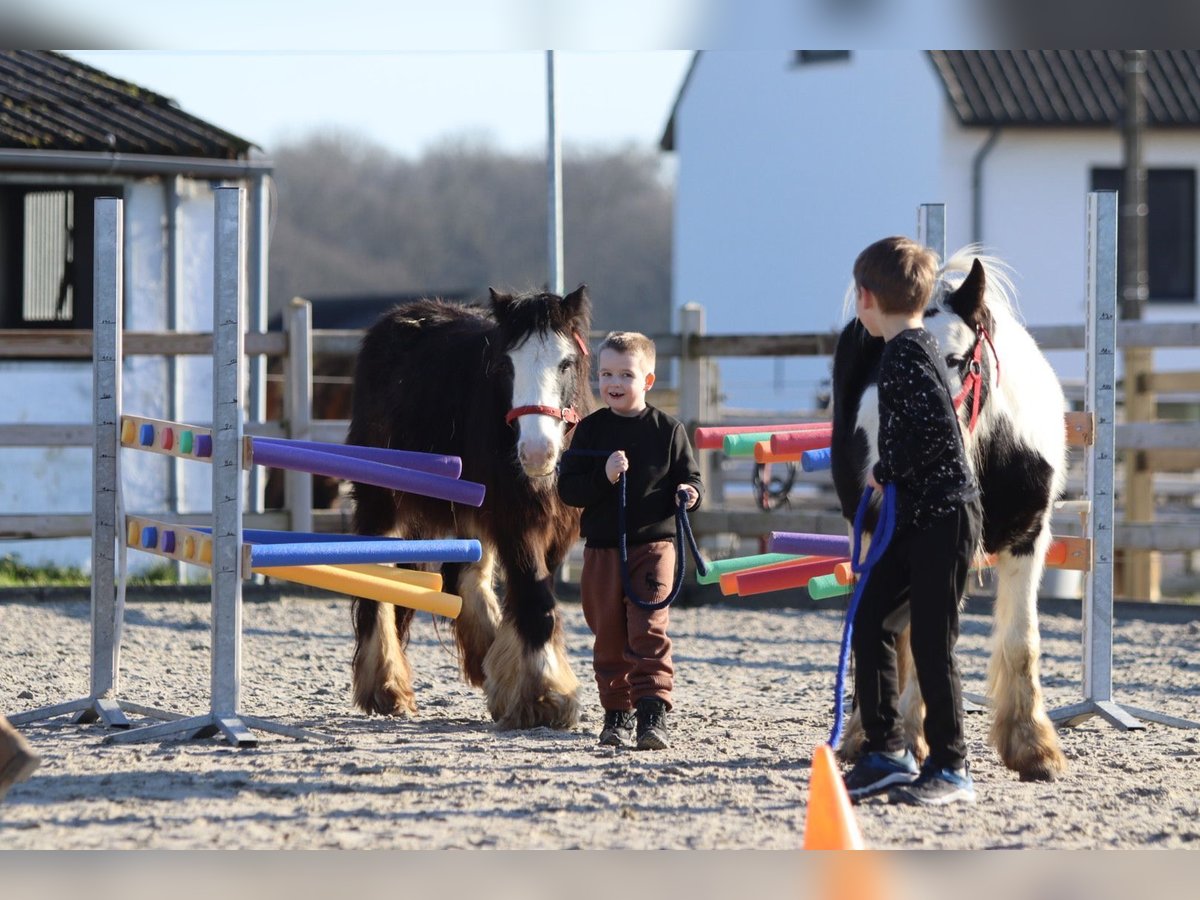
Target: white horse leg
[
  {"x": 912, "y": 705},
  {"x": 526, "y": 688},
  {"x": 475, "y": 627},
  {"x": 1021, "y": 731},
  {"x": 382, "y": 675}
]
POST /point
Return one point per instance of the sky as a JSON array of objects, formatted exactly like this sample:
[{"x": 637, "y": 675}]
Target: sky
[{"x": 406, "y": 101}]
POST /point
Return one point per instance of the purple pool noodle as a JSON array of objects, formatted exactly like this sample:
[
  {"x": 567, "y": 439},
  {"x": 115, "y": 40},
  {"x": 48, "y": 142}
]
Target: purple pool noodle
[
  {"x": 809, "y": 544},
  {"x": 338, "y": 553},
  {"x": 815, "y": 460},
  {"x": 340, "y": 466},
  {"x": 266, "y": 536},
  {"x": 203, "y": 445},
  {"x": 433, "y": 463},
  {"x": 168, "y": 541}
]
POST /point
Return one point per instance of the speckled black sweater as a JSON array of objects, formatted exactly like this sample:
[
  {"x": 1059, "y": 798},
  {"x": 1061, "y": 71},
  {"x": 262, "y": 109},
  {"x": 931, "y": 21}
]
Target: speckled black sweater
[{"x": 920, "y": 444}]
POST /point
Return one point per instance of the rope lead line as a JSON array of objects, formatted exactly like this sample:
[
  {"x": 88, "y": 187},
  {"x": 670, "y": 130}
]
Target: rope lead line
[
  {"x": 683, "y": 529},
  {"x": 879, "y": 542}
]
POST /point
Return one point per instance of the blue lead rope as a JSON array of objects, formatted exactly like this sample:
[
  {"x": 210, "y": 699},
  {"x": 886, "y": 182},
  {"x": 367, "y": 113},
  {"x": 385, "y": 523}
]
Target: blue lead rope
[
  {"x": 879, "y": 542},
  {"x": 683, "y": 529}
]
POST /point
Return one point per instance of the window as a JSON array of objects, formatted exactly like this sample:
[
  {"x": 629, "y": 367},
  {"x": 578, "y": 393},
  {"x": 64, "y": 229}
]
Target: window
[
  {"x": 46, "y": 255},
  {"x": 1170, "y": 230},
  {"x": 807, "y": 57}
]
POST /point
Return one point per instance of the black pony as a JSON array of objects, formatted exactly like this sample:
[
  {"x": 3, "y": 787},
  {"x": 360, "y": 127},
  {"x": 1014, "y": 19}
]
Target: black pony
[{"x": 501, "y": 388}]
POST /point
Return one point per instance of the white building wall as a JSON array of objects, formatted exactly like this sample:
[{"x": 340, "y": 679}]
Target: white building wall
[
  {"x": 58, "y": 480},
  {"x": 785, "y": 174}
]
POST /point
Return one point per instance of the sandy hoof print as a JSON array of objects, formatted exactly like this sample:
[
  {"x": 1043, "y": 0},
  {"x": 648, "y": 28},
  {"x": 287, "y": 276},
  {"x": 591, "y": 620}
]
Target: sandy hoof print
[{"x": 529, "y": 689}]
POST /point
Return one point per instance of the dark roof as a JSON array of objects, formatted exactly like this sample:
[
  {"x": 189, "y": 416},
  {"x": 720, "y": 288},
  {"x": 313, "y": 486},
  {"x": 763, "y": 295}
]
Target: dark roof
[
  {"x": 49, "y": 101},
  {"x": 1066, "y": 87}
]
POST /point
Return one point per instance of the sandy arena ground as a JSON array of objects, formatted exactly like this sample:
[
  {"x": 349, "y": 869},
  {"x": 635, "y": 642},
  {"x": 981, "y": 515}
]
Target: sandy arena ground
[{"x": 753, "y": 693}]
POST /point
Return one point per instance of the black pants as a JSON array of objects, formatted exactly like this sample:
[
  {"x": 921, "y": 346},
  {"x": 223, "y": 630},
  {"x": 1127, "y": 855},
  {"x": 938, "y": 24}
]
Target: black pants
[{"x": 919, "y": 580}]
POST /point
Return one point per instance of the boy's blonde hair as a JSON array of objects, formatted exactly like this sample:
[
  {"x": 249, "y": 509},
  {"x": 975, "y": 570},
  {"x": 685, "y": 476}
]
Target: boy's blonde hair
[
  {"x": 899, "y": 272},
  {"x": 630, "y": 342}
]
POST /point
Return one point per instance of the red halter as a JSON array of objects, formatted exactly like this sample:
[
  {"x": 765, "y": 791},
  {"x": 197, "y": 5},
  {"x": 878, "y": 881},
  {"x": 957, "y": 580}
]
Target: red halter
[
  {"x": 973, "y": 380},
  {"x": 566, "y": 413}
]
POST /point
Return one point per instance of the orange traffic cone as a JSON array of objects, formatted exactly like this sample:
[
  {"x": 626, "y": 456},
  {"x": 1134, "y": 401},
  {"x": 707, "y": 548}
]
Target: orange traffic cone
[{"x": 829, "y": 823}]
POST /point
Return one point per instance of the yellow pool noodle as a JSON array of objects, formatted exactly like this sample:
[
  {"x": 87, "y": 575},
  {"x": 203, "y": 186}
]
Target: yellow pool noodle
[{"x": 372, "y": 586}]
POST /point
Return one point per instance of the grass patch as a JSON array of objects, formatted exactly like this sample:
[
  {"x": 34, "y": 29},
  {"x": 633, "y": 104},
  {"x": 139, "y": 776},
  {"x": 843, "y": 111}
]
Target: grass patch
[{"x": 14, "y": 573}]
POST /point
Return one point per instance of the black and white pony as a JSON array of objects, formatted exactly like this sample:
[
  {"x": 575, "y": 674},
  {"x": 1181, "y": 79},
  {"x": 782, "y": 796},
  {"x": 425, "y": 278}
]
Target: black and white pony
[
  {"x": 499, "y": 387},
  {"x": 1011, "y": 409}
]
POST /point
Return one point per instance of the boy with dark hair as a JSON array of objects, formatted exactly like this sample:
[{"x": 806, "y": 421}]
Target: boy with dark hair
[
  {"x": 920, "y": 577},
  {"x": 632, "y": 652}
]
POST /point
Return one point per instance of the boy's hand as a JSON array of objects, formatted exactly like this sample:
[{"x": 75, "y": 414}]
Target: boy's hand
[
  {"x": 616, "y": 465},
  {"x": 871, "y": 482},
  {"x": 690, "y": 492}
]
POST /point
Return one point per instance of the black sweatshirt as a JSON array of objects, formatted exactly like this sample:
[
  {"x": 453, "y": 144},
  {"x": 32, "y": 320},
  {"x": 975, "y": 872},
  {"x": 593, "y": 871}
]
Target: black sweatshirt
[
  {"x": 920, "y": 442},
  {"x": 660, "y": 459}
]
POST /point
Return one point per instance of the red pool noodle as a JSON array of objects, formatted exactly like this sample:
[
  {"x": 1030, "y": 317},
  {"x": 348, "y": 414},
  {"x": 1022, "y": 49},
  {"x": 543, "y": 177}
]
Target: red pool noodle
[
  {"x": 798, "y": 442},
  {"x": 780, "y": 578}
]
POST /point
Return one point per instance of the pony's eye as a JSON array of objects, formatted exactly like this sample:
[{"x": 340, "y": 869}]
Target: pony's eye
[
  {"x": 565, "y": 365},
  {"x": 954, "y": 362}
]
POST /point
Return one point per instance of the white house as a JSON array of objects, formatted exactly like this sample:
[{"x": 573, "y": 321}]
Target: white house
[
  {"x": 790, "y": 162},
  {"x": 70, "y": 133}
]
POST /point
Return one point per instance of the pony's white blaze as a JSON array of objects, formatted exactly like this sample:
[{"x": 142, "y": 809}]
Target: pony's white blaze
[{"x": 537, "y": 381}]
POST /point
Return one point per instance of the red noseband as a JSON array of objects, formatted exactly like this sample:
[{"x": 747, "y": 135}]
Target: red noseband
[{"x": 566, "y": 413}]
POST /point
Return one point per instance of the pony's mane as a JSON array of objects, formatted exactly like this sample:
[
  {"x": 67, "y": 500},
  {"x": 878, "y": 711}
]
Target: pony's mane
[{"x": 1001, "y": 293}]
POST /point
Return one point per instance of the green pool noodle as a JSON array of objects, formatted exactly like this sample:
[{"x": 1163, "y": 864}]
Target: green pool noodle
[
  {"x": 743, "y": 444},
  {"x": 825, "y": 586},
  {"x": 720, "y": 567}
]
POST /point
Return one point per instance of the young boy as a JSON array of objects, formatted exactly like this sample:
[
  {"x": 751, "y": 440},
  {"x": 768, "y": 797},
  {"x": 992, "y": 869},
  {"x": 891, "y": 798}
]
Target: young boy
[
  {"x": 919, "y": 580},
  {"x": 632, "y": 652}
]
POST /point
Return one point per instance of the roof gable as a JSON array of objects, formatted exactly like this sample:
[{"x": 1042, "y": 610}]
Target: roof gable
[
  {"x": 1066, "y": 88},
  {"x": 49, "y": 101}
]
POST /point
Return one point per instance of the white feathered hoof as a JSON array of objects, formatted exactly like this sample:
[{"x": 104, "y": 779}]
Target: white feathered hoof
[{"x": 530, "y": 689}]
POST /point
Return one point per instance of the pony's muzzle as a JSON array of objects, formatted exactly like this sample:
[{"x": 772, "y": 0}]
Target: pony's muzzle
[{"x": 537, "y": 457}]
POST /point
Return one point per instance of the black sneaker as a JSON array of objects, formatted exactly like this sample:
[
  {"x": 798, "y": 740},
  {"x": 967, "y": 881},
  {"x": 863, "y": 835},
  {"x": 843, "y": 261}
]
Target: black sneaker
[
  {"x": 936, "y": 787},
  {"x": 874, "y": 773},
  {"x": 652, "y": 729},
  {"x": 618, "y": 727}
]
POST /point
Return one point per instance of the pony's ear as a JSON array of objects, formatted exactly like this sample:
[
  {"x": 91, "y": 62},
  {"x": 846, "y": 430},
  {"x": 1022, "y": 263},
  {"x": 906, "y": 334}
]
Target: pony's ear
[
  {"x": 577, "y": 303},
  {"x": 967, "y": 301},
  {"x": 500, "y": 302}
]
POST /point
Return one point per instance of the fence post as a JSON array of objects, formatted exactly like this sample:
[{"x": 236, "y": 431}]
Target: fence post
[
  {"x": 298, "y": 486},
  {"x": 693, "y": 380}
]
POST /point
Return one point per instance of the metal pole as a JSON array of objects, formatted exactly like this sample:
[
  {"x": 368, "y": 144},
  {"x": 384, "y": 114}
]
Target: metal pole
[
  {"x": 106, "y": 470},
  {"x": 257, "y": 319},
  {"x": 554, "y": 179},
  {"x": 227, "y": 453},
  {"x": 174, "y": 246},
  {"x": 299, "y": 485},
  {"x": 1101, "y": 399},
  {"x": 931, "y": 228}
]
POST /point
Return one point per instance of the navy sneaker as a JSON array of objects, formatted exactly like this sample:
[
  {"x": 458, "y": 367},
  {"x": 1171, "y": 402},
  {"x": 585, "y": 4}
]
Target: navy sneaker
[
  {"x": 874, "y": 773},
  {"x": 652, "y": 730},
  {"x": 936, "y": 787},
  {"x": 618, "y": 727}
]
